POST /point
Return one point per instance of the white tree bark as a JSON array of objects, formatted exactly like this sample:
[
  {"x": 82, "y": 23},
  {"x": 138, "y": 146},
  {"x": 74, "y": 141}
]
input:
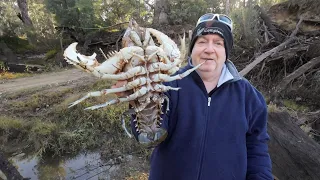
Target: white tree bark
[
  {"x": 227, "y": 7},
  {"x": 160, "y": 12}
]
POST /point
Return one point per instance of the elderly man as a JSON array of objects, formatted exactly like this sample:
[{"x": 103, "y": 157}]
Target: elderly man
[{"x": 217, "y": 123}]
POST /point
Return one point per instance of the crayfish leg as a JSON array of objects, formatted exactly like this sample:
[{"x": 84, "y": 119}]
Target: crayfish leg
[{"x": 142, "y": 91}]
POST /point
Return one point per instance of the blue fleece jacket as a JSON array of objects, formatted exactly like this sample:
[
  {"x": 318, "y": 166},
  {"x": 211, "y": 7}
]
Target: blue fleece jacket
[{"x": 222, "y": 136}]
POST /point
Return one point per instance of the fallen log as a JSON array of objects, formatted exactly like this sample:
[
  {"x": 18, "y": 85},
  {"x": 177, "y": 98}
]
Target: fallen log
[
  {"x": 8, "y": 169},
  {"x": 288, "y": 53},
  {"x": 21, "y": 68},
  {"x": 295, "y": 156}
]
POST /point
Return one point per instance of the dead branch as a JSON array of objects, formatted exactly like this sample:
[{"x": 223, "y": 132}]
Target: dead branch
[
  {"x": 301, "y": 70},
  {"x": 288, "y": 53},
  {"x": 297, "y": 28},
  {"x": 249, "y": 67},
  {"x": 268, "y": 23},
  {"x": 316, "y": 21},
  {"x": 314, "y": 113},
  {"x": 314, "y": 33}
]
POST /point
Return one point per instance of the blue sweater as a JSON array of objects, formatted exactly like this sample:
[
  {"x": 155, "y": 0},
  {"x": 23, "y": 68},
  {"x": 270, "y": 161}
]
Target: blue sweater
[{"x": 222, "y": 136}]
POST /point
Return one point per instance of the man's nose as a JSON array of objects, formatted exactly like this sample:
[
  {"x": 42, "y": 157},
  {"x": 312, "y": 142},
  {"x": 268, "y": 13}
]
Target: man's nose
[{"x": 211, "y": 48}]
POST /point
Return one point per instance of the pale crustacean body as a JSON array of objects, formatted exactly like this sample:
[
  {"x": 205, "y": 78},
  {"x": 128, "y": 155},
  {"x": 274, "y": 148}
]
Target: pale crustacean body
[{"x": 144, "y": 65}]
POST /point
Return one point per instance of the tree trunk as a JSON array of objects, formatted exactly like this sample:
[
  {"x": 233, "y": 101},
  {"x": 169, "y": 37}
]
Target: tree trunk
[
  {"x": 30, "y": 31},
  {"x": 8, "y": 53},
  {"x": 8, "y": 169},
  {"x": 295, "y": 156},
  {"x": 227, "y": 7},
  {"x": 249, "y": 3},
  {"x": 160, "y": 13}
]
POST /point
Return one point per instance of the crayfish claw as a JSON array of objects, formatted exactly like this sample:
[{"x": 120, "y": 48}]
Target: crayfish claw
[{"x": 152, "y": 140}]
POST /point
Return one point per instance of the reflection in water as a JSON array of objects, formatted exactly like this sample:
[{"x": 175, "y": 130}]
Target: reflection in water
[{"x": 84, "y": 166}]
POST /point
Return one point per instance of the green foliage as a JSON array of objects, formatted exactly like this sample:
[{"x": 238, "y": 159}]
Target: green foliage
[
  {"x": 90, "y": 14},
  {"x": 120, "y": 11},
  {"x": 3, "y": 68},
  {"x": 51, "y": 127},
  {"x": 42, "y": 19},
  {"x": 9, "y": 22},
  {"x": 50, "y": 54},
  {"x": 11, "y": 129},
  {"x": 41, "y": 128},
  {"x": 11, "y": 25},
  {"x": 17, "y": 44},
  {"x": 186, "y": 12},
  {"x": 245, "y": 25},
  {"x": 294, "y": 106},
  {"x": 7, "y": 123},
  {"x": 84, "y": 15},
  {"x": 36, "y": 101},
  {"x": 65, "y": 12}
]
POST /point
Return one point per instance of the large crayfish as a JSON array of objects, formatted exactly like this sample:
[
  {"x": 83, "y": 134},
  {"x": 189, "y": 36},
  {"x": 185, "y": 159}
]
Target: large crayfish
[{"x": 145, "y": 66}]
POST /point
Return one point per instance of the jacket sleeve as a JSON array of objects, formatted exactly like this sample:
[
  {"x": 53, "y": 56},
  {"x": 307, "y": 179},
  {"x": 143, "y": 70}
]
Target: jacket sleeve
[{"x": 259, "y": 162}]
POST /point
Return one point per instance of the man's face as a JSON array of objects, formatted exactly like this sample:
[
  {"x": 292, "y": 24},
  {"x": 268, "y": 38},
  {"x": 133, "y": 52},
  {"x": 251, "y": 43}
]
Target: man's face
[{"x": 209, "y": 49}]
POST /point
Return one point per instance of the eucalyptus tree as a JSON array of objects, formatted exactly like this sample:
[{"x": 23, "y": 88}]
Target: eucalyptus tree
[
  {"x": 24, "y": 16},
  {"x": 9, "y": 22}
]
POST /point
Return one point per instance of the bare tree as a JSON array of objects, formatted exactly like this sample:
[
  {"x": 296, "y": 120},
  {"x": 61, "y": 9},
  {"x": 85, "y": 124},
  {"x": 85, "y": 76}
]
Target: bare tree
[
  {"x": 227, "y": 7},
  {"x": 160, "y": 12},
  {"x": 23, "y": 6},
  {"x": 24, "y": 17}
]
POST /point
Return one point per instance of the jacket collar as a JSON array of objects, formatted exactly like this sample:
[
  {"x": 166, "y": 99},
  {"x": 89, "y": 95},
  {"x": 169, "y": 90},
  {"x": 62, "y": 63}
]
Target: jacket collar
[
  {"x": 229, "y": 72},
  {"x": 225, "y": 76}
]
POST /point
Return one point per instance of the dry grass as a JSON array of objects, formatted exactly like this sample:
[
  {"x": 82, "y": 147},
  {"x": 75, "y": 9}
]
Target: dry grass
[
  {"x": 44, "y": 120},
  {"x": 9, "y": 75},
  {"x": 139, "y": 176}
]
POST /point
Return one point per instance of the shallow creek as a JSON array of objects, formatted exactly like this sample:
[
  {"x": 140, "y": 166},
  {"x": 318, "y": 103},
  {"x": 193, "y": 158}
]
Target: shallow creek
[{"x": 84, "y": 166}]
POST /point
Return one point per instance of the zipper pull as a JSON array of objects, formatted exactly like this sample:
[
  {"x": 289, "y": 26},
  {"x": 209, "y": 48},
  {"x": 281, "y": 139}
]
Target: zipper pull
[{"x": 209, "y": 100}]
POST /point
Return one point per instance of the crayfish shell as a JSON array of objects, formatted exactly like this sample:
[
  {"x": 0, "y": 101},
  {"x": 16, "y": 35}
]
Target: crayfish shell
[{"x": 145, "y": 67}]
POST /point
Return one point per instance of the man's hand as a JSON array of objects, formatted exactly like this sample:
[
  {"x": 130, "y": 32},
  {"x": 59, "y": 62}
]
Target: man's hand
[
  {"x": 120, "y": 84},
  {"x": 125, "y": 93}
]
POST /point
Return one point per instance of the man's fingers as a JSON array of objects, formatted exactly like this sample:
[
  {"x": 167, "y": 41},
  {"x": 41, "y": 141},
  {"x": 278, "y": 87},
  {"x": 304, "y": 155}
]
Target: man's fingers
[{"x": 120, "y": 84}]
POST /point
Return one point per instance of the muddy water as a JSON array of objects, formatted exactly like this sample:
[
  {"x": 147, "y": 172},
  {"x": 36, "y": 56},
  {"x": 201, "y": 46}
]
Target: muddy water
[{"x": 84, "y": 166}]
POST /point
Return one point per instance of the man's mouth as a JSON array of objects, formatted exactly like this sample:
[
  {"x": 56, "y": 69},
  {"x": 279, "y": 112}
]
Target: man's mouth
[{"x": 207, "y": 59}]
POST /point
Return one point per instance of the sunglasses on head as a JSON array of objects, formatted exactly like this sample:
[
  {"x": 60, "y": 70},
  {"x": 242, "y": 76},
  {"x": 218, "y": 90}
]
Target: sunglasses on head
[{"x": 219, "y": 17}]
